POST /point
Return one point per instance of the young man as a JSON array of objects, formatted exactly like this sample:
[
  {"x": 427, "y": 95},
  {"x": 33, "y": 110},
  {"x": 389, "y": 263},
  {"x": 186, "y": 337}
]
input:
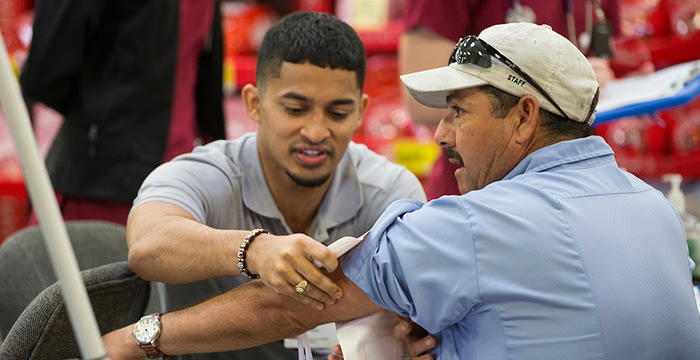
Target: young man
[
  {"x": 298, "y": 177},
  {"x": 551, "y": 252}
]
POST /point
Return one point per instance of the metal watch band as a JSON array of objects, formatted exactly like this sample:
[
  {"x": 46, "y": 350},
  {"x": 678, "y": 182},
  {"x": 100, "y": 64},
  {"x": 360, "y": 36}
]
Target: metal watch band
[{"x": 152, "y": 352}]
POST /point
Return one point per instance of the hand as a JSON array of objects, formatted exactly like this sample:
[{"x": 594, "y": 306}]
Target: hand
[
  {"x": 416, "y": 340},
  {"x": 337, "y": 353},
  {"x": 284, "y": 261},
  {"x": 602, "y": 70},
  {"x": 645, "y": 68}
]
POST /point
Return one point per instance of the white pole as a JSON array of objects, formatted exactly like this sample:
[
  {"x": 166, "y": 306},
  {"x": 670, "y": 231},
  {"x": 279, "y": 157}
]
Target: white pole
[{"x": 44, "y": 202}]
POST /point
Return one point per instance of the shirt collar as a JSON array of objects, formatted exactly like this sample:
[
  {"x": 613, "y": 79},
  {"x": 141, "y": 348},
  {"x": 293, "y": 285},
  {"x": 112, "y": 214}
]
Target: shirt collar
[
  {"x": 561, "y": 153},
  {"x": 341, "y": 203}
]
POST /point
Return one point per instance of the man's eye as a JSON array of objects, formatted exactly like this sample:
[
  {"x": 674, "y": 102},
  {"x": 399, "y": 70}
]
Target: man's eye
[
  {"x": 458, "y": 112},
  {"x": 294, "y": 110},
  {"x": 337, "y": 115}
]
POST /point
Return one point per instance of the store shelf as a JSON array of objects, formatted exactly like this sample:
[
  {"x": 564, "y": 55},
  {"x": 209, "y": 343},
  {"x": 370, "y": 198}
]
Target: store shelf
[
  {"x": 381, "y": 41},
  {"x": 662, "y": 51},
  {"x": 240, "y": 69}
]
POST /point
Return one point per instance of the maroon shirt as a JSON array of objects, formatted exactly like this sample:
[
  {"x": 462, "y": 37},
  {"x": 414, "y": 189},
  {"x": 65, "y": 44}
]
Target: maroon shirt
[{"x": 195, "y": 21}]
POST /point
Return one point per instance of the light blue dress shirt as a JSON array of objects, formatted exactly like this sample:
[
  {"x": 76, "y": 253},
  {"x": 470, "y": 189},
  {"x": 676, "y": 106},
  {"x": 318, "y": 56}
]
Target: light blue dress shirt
[{"x": 568, "y": 257}]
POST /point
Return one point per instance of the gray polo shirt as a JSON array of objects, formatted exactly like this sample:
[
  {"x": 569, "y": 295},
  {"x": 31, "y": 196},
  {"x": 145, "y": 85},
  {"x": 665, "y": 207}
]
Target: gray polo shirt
[{"x": 221, "y": 184}]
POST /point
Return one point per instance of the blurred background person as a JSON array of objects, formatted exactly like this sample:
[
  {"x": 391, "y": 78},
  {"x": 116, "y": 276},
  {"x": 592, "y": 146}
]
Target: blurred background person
[{"x": 137, "y": 82}]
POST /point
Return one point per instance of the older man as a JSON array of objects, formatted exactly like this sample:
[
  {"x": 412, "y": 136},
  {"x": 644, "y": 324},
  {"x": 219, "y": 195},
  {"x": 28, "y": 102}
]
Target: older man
[{"x": 552, "y": 251}]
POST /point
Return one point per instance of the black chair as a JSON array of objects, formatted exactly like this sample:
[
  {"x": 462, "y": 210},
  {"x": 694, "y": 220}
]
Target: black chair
[
  {"x": 33, "y": 318},
  {"x": 25, "y": 268},
  {"x": 43, "y": 330}
]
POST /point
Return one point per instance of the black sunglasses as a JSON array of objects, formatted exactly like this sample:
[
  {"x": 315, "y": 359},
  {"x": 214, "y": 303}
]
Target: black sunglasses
[{"x": 472, "y": 50}]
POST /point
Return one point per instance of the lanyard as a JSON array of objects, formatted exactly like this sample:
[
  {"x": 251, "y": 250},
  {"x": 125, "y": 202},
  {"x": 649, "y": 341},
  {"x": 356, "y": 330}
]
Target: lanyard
[{"x": 520, "y": 13}]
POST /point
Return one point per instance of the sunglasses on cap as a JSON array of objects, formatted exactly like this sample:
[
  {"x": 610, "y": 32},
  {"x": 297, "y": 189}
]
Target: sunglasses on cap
[{"x": 472, "y": 50}]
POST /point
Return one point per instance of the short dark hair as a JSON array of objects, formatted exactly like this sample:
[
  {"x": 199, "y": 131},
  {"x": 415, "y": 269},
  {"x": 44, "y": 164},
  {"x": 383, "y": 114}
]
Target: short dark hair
[
  {"x": 310, "y": 37},
  {"x": 501, "y": 103}
]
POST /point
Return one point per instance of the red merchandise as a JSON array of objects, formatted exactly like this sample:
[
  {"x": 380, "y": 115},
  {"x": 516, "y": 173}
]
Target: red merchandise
[
  {"x": 244, "y": 26},
  {"x": 325, "y": 6},
  {"x": 14, "y": 202},
  {"x": 664, "y": 32}
]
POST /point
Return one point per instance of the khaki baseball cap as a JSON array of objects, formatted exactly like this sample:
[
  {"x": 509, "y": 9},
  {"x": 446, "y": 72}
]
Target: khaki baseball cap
[{"x": 542, "y": 57}]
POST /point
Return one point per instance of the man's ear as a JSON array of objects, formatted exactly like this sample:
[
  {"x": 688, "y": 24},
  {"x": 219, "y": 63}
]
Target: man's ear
[
  {"x": 251, "y": 97},
  {"x": 364, "y": 104},
  {"x": 527, "y": 119}
]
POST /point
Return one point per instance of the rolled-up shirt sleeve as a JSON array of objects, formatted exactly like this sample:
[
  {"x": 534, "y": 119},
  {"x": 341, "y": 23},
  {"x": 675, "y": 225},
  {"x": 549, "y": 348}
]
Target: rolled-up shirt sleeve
[{"x": 418, "y": 260}]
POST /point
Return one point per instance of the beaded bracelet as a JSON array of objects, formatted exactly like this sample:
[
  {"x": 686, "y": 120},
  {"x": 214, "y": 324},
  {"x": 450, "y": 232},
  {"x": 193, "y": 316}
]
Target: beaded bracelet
[{"x": 241, "y": 252}]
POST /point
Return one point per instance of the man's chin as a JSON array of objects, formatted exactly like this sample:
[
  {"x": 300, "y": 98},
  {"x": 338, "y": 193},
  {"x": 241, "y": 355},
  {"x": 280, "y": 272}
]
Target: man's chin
[{"x": 308, "y": 182}]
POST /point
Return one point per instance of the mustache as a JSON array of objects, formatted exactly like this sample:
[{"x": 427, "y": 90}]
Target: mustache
[{"x": 452, "y": 154}]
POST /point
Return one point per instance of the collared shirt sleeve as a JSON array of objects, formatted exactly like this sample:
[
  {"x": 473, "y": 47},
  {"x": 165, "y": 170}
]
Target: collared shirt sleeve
[
  {"x": 419, "y": 261},
  {"x": 204, "y": 183}
]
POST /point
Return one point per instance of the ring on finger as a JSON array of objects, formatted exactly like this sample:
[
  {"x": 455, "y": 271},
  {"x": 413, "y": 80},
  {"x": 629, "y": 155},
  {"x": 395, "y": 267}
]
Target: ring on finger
[{"x": 302, "y": 288}]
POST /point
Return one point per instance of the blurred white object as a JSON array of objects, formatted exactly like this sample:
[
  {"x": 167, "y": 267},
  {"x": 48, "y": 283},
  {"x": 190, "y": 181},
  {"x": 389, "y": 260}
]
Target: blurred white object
[{"x": 370, "y": 337}]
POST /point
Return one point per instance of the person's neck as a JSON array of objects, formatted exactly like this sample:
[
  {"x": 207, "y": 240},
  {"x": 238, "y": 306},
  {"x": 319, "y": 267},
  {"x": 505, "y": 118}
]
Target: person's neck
[{"x": 298, "y": 204}]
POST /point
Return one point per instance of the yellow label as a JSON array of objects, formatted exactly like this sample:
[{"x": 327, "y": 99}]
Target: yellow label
[{"x": 416, "y": 155}]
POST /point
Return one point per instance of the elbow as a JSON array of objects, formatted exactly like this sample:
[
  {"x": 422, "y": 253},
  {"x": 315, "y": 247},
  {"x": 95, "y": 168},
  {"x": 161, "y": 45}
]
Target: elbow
[{"x": 141, "y": 262}]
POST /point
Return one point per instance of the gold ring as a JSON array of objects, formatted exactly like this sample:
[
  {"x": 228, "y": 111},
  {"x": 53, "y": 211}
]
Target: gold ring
[{"x": 302, "y": 288}]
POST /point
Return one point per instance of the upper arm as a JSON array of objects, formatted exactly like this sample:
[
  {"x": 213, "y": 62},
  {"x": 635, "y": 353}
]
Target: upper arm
[
  {"x": 422, "y": 49},
  {"x": 145, "y": 217},
  {"x": 415, "y": 254},
  {"x": 204, "y": 184}
]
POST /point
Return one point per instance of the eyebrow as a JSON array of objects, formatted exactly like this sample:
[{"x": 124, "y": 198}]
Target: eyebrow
[
  {"x": 451, "y": 97},
  {"x": 296, "y": 96}
]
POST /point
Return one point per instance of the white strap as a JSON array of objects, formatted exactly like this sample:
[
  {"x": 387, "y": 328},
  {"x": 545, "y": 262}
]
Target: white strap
[{"x": 303, "y": 347}]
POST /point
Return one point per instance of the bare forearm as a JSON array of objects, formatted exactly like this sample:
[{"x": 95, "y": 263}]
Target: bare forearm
[
  {"x": 235, "y": 320},
  {"x": 166, "y": 244},
  {"x": 247, "y": 316},
  {"x": 251, "y": 316}
]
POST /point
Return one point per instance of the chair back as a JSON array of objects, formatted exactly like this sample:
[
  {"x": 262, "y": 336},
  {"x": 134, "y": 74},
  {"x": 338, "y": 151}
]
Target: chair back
[
  {"x": 43, "y": 330},
  {"x": 25, "y": 267}
]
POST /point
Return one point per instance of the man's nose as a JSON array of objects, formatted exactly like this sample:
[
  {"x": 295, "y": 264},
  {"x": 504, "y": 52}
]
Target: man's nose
[
  {"x": 444, "y": 134},
  {"x": 316, "y": 129}
]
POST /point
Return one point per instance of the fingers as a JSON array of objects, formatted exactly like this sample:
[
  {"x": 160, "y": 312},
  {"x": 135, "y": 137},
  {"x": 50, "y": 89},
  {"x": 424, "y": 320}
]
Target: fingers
[
  {"x": 602, "y": 70},
  {"x": 337, "y": 353},
  {"x": 418, "y": 349},
  {"x": 313, "y": 250},
  {"x": 325, "y": 256},
  {"x": 422, "y": 357},
  {"x": 415, "y": 339},
  {"x": 328, "y": 290},
  {"x": 284, "y": 261},
  {"x": 309, "y": 295}
]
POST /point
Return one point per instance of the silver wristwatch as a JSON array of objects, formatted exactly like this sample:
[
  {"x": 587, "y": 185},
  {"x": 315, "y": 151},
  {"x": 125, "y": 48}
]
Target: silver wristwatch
[{"x": 147, "y": 332}]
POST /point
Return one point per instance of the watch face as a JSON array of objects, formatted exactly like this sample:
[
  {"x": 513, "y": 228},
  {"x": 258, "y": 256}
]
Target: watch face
[{"x": 147, "y": 329}]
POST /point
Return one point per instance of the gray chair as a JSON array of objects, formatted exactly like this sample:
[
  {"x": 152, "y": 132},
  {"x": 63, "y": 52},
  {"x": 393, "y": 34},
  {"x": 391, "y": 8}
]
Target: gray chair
[
  {"x": 43, "y": 330},
  {"x": 25, "y": 268}
]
